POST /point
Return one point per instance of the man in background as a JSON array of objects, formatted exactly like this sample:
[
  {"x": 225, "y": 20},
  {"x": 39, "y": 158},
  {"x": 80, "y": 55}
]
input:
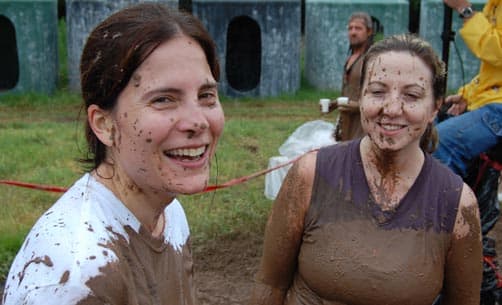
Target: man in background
[{"x": 360, "y": 34}]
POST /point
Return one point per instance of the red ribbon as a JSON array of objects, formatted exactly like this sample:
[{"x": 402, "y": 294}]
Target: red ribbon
[
  {"x": 48, "y": 188},
  {"x": 210, "y": 188}
]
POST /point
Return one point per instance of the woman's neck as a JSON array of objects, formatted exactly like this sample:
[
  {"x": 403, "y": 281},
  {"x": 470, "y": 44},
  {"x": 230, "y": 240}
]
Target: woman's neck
[
  {"x": 147, "y": 207},
  {"x": 390, "y": 174}
]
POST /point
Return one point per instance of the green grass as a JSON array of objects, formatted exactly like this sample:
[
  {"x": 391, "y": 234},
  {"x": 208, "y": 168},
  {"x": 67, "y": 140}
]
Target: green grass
[{"x": 41, "y": 139}]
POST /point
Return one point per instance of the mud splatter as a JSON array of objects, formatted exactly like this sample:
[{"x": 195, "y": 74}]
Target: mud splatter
[
  {"x": 136, "y": 80},
  {"x": 144, "y": 272},
  {"x": 64, "y": 278},
  {"x": 46, "y": 260}
]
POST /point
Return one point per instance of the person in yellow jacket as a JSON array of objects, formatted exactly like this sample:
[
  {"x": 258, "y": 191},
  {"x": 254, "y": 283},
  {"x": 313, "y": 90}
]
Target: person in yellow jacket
[{"x": 477, "y": 107}]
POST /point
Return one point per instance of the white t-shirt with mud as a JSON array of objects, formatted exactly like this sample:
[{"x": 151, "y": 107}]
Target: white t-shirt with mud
[{"x": 88, "y": 248}]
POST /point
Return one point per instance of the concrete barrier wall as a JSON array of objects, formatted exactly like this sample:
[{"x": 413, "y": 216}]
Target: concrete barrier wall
[
  {"x": 36, "y": 46},
  {"x": 279, "y": 26},
  {"x": 326, "y": 42},
  {"x": 82, "y": 16}
]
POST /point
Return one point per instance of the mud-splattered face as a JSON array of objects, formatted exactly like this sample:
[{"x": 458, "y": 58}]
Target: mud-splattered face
[
  {"x": 168, "y": 120},
  {"x": 397, "y": 102}
]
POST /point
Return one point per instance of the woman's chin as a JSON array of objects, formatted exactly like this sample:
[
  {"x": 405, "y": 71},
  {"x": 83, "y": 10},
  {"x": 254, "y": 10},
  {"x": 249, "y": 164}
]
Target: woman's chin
[{"x": 192, "y": 185}]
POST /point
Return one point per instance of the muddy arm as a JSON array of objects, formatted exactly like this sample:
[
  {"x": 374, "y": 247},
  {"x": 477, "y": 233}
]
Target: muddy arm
[
  {"x": 464, "y": 265},
  {"x": 283, "y": 235}
]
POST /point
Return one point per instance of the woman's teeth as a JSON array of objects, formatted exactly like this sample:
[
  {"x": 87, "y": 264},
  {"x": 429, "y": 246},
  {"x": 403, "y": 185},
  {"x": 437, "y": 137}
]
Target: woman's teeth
[
  {"x": 390, "y": 126},
  {"x": 187, "y": 152}
]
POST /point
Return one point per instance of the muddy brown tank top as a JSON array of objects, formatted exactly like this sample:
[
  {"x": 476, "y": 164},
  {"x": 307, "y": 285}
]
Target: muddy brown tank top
[{"x": 352, "y": 252}]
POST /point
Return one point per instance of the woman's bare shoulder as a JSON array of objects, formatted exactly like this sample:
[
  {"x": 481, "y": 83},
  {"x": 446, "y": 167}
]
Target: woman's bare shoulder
[{"x": 468, "y": 214}]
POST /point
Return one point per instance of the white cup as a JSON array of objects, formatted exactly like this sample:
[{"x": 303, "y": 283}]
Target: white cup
[
  {"x": 342, "y": 100},
  {"x": 324, "y": 104}
]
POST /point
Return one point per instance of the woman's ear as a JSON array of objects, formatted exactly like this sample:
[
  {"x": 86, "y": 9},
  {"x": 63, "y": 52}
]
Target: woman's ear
[
  {"x": 101, "y": 124},
  {"x": 437, "y": 106}
]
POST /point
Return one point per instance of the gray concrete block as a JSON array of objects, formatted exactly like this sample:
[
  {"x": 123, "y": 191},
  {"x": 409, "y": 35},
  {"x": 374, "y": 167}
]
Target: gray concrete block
[
  {"x": 28, "y": 46},
  {"x": 82, "y": 16},
  {"x": 326, "y": 42},
  {"x": 258, "y": 44}
]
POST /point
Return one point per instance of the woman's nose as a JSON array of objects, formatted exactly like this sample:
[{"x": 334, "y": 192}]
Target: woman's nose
[
  {"x": 193, "y": 121},
  {"x": 393, "y": 105}
]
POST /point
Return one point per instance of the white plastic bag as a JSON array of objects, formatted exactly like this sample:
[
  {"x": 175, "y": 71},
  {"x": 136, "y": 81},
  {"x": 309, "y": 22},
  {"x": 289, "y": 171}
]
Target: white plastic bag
[
  {"x": 273, "y": 180},
  {"x": 311, "y": 135}
]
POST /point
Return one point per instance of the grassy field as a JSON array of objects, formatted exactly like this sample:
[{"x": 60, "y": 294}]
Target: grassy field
[{"x": 41, "y": 140}]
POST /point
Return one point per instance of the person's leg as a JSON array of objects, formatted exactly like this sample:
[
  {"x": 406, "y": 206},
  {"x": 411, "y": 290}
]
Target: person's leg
[{"x": 464, "y": 137}]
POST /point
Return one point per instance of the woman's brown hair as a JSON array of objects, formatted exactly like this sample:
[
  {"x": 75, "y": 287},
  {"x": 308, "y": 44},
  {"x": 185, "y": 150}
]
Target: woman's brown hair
[
  {"x": 416, "y": 46},
  {"x": 120, "y": 44}
]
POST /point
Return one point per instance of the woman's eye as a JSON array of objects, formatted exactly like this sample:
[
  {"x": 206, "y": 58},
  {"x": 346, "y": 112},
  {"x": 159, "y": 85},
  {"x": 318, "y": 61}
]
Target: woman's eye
[
  {"x": 376, "y": 89},
  {"x": 208, "y": 98},
  {"x": 206, "y": 95},
  {"x": 412, "y": 96},
  {"x": 162, "y": 100},
  {"x": 377, "y": 92}
]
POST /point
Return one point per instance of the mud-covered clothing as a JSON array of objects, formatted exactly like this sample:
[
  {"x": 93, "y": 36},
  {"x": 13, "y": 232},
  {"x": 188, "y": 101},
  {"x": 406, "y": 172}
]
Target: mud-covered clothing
[
  {"x": 88, "y": 248},
  {"x": 482, "y": 34},
  {"x": 353, "y": 252},
  {"x": 349, "y": 126}
]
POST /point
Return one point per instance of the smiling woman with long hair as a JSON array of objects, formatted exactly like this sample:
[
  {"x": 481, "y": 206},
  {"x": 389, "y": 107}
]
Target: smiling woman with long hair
[
  {"x": 377, "y": 220},
  {"x": 118, "y": 235}
]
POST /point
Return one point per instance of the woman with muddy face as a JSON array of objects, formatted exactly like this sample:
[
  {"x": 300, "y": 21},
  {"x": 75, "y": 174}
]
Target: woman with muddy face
[
  {"x": 119, "y": 236},
  {"x": 377, "y": 220}
]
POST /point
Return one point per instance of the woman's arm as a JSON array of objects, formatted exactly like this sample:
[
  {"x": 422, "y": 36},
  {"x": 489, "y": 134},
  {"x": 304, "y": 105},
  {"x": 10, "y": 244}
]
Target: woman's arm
[
  {"x": 464, "y": 263},
  {"x": 483, "y": 38},
  {"x": 283, "y": 234},
  {"x": 351, "y": 107}
]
